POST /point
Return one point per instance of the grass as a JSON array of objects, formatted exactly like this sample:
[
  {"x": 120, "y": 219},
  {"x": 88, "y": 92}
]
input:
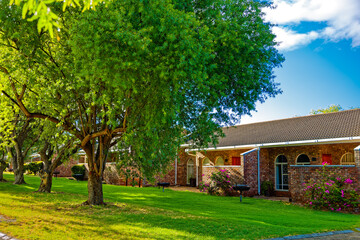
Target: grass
[{"x": 148, "y": 213}]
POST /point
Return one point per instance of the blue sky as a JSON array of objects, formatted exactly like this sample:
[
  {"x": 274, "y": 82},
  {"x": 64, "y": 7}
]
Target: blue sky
[{"x": 320, "y": 40}]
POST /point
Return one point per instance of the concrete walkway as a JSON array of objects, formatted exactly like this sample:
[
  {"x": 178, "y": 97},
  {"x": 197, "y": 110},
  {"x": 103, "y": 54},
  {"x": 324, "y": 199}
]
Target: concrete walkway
[
  {"x": 6, "y": 237},
  {"x": 336, "y": 235}
]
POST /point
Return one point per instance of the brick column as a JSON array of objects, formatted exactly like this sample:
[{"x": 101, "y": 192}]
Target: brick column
[
  {"x": 357, "y": 156},
  {"x": 357, "y": 164}
]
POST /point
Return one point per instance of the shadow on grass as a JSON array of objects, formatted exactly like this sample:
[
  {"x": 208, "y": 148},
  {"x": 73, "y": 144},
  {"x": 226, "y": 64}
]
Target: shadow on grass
[{"x": 149, "y": 212}]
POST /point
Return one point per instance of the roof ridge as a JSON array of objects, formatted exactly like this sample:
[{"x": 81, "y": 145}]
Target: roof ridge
[{"x": 306, "y": 116}]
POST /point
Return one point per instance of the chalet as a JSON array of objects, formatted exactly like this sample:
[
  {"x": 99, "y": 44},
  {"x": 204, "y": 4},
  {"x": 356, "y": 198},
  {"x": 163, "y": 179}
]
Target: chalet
[{"x": 285, "y": 152}]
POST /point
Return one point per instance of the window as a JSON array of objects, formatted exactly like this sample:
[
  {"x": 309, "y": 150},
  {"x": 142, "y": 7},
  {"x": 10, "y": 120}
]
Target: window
[
  {"x": 347, "y": 159},
  {"x": 281, "y": 173},
  {"x": 303, "y": 159},
  {"x": 236, "y": 161},
  {"x": 327, "y": 158},
  {"x": 206, "y": 162},
  {"x": 219, "y": 161},
  {"x": 82, "y": 159}
]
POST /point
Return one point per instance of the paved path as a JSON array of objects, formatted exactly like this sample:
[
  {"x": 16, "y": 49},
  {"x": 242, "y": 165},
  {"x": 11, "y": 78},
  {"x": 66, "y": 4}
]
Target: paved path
[
  {"x": 6, "y": 237},
  {"x": 336, "y": 235}
]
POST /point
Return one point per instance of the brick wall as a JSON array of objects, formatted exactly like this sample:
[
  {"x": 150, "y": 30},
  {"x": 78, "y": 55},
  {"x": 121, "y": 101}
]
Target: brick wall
[
  {"x": 212, "y": 155},
  {"x": 251, "y": 172},
  {"x": 112, "y": 176},
  {"x": 304, "y": 174},
  {"x": 169, "y": 176},
  {"x": 235, "y": 173},
  {"x": 182, "y": 167},
  {"x": 65, "y": 168},
  {"x": 268, "y": 157}
]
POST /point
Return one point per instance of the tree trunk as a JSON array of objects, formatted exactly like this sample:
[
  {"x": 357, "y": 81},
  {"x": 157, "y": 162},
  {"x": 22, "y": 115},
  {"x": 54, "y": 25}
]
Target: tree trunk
[
  {"x": 18, "y": 164},
  {"x": 95, "y": 190},
  {"x": 46, "y": 181},
  {"x": 2, "y": 169},
  {"x": 97, "y": 160},
  {"x": 19, "y": 174}
]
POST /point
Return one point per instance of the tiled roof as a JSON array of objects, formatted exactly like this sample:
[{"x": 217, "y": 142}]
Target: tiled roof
[{"x": 313, "y": 127}]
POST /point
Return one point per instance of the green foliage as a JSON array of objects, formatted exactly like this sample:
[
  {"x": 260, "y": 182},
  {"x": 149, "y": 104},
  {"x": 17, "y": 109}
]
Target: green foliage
[
  {"x": 267, "y": 188},
  {"x": 219, "y": 185},
  {"x": 78, "y": 169},
  {"x": 42, "y": 11},
  {"x": 332, "y": 193},
  {"x": 148, "y": 75},
  {"x": 33, "y": 167},
  {"x": 330, "y": 109}
]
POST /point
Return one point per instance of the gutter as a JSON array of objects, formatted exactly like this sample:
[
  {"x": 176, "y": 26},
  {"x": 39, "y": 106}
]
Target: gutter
[{"x": 326, "y": 140}]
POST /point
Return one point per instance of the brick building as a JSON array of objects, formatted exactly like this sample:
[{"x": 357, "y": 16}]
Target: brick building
[{"x": 286, "y": 152}]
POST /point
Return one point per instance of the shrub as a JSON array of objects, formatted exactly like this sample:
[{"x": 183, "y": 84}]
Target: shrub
[
  {"x": 33, "y": 167},
  {"x": 332, "y": 193},
  {"x": 267, "y": 188},
  {"x": 220, "y": 184},
  {"x": 78, "y": 169}
]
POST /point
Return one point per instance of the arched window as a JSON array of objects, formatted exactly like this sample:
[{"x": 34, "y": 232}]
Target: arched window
[
  {"x": 303, "y": 159},
  {"x": 347, "y": 159},
  {"x": 219, "y": 161},
  {"x": 190, "y": 170},
  {"x": 281, "y": 173},
  {"x": 206, "y": 162}
]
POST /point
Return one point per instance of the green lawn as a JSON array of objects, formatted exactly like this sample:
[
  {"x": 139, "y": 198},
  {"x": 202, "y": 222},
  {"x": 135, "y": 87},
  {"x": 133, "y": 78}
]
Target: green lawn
[{"x": 148, "y": 213}]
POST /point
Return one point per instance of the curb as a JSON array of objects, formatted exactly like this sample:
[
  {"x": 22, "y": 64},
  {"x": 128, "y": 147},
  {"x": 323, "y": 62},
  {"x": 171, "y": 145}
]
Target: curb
[{"x": 314, "y": 235}]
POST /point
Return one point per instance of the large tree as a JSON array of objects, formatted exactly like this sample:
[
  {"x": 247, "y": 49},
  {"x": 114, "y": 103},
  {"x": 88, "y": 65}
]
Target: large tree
[
  {"x": 144, "y": 76},
  {"x": 18, "y": 135},
  {"x": 24, "y": 136}
]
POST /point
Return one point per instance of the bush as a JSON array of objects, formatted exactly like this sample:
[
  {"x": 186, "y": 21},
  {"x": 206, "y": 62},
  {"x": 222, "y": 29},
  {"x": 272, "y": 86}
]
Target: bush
[
  {"x": 267, "y": 188},
  {"x": 332, "y": 193},
  {"x": 78, "y": 169},
  {"x": 220, "y": 184},
  {"x": 33, "y": 167}
]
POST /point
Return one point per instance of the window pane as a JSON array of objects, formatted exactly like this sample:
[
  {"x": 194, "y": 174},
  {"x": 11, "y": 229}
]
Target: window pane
[
  {"x": 286, "y": 179},
  {"x": 281, "y": 159},
  {"x": 219, "y": 161},
  {"x": 303, "y": 159}
]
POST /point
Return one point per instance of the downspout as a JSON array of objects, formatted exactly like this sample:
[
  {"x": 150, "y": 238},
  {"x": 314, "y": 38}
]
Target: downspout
[
  {"x": 258, "y": 170},
  {"x": 176, "y": 159}
]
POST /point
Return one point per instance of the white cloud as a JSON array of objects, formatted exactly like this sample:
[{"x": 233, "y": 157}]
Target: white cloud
[
  {"x": 342, "y": 18},
  {"x": 290, "y": 40}
]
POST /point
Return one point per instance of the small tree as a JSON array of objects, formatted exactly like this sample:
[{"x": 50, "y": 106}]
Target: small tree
[{"x": 54, "y": 147}]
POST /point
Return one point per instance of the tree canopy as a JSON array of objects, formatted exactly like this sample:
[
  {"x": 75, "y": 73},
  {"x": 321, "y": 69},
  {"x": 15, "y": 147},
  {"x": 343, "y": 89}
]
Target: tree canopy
[
  {"x": 331, "y": 108},
  {"x": 141, "y": 76}
]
